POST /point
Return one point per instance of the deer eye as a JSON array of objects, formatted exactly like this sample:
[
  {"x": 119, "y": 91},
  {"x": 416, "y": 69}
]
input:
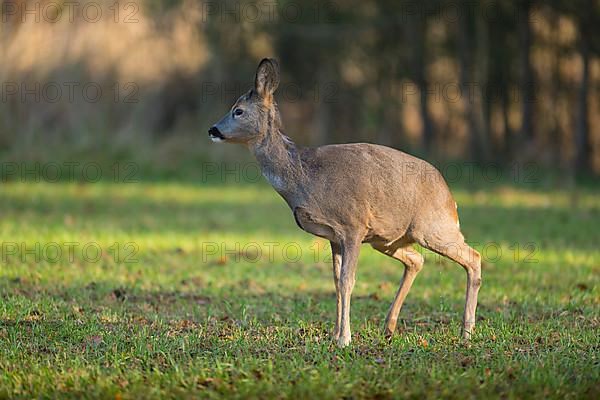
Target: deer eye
[{"x": 237, "y": 112}]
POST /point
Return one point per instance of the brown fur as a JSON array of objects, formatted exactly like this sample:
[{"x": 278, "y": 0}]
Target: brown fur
[{"x": 355, "y": 193}]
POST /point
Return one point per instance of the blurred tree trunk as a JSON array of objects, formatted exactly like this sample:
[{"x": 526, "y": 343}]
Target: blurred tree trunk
[
  {"x": 582, "y": 139},
  {"x": 417, "y": 31},
  {"x": 391, "y": 46},
  {"x": 509, "y": 135},
  {"x": 502, "y": 42},
  {"x": 384, "y": 129},
  {"x": 322, "y": 132},
  {"x": 470, "y": 86},
  {"x": 482, "y": 99},
  {"x": 527, "y": 87},
  {"x": 556, "y": 89}
]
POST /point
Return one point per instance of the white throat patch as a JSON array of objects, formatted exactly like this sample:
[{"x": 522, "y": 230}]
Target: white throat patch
[{"x": 274, "y": 180}]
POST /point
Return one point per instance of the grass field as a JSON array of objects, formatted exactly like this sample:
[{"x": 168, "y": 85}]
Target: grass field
[{"x": 152, "y": 290}]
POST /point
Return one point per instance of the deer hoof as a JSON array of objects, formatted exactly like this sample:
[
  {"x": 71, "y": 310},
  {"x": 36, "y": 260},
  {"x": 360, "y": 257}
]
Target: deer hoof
[
  {"x": 388, "y": 333},
  {"x": 336, "y": 335},
  {"x": 390, "y": 328},
  {"x": 343, "y": 341}
]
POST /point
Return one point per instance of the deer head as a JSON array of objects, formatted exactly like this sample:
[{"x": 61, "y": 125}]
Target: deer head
[{"x": 255, "y": 113}]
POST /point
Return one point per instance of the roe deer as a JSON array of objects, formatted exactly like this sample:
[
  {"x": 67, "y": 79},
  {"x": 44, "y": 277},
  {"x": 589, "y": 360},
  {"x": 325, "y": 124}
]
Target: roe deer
[{"x": 352, "y": 194}]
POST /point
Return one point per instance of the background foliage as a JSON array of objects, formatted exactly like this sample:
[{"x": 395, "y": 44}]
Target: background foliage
[{"x": 487, "y": 81}]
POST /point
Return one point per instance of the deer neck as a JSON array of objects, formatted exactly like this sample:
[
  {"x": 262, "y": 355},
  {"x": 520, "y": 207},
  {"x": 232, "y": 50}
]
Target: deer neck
[{"x": 279, "y": 162}]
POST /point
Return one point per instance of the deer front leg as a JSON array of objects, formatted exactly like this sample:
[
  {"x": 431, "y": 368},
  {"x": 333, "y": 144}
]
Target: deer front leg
[
  {"x": 336, "y": 253},
  {"x": 350, "y": 252}
]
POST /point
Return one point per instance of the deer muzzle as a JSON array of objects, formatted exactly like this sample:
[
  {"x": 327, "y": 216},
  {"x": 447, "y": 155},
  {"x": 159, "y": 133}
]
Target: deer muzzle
[{"x": 215, "y": 134}]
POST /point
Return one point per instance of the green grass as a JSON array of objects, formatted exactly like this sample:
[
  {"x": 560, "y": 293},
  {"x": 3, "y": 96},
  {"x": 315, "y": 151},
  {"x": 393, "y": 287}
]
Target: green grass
[{"x": 190, "y": 302}]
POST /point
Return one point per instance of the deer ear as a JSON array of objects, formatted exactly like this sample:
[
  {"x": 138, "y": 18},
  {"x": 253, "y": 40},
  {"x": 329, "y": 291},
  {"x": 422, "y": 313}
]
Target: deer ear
[{"x": 267, "y": 77}]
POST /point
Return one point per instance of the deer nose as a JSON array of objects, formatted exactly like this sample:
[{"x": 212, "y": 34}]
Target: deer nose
[
  {"x": 215, "y": 134},
  {"x": 214, "y": 131}
]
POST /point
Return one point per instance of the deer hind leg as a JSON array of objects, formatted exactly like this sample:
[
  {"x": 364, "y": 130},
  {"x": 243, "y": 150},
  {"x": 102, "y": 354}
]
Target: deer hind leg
[
  {"x": 413, "y": 263},
  {"x": 470, "y": 260},
  {"x": 336, "y": 252}
]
